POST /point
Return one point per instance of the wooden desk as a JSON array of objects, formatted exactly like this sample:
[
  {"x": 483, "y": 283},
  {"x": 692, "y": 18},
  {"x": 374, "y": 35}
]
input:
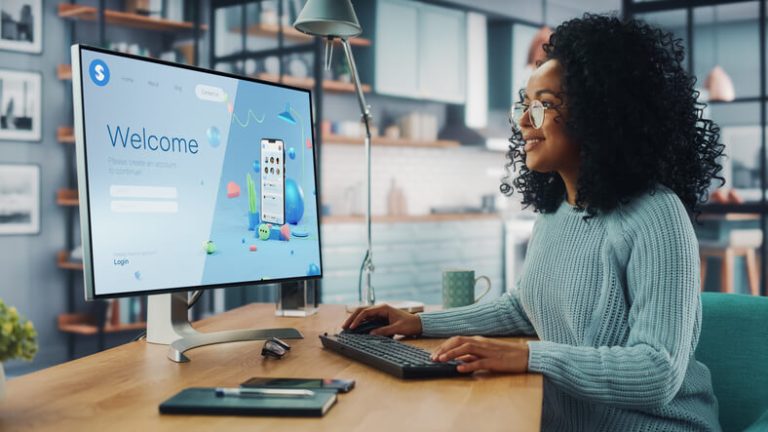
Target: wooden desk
[{"x": 121, "y": 388}]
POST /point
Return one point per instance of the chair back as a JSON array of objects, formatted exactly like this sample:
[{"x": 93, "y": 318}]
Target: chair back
[{"x": 734, "y": 346}]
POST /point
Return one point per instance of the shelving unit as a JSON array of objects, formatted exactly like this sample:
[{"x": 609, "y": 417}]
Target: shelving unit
[
  {"x": 103, "y": 318},
  {"x": 67, "y": 198},
  {"x": 309, "y": 83},
  {"x": 85, "y": 325},
  {"x": 64, "y": 262},
  {"x": 64, "y": 72},
  {"x": 687, "y": 10},
  {"x": 290, "y": 33},
  {"x": 125, "y": 19},
  {"x": 65, "y": 134},
  {"x": 390, "y": 142}
]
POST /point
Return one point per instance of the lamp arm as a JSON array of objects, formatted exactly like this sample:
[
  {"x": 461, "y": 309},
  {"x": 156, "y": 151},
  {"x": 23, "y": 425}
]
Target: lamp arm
[
  {"x": 365, "y": 109},
  {"x": 367, "y": 265}
]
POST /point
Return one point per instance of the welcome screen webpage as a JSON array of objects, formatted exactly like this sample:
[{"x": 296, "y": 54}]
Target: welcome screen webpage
[{"x": 176, "y": 172}]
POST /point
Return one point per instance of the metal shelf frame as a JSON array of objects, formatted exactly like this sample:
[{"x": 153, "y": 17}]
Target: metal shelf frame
[{"x": 631, "y": 8}]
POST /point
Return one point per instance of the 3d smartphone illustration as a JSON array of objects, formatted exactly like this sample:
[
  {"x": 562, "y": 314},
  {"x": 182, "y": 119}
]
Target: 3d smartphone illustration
[{"x": 272, "y": 181}]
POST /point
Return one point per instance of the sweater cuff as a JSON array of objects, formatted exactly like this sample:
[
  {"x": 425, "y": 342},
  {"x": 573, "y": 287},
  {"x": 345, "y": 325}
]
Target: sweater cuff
[
  {"x": 428, "y": 323},
  {"x": 536, "y": 353}
]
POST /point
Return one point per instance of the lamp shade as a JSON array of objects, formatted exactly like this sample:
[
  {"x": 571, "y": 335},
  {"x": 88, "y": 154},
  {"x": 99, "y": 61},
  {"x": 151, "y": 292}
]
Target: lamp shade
[
  {"x": 328, "y": 18},
  {"x": 719, "y": 85}
]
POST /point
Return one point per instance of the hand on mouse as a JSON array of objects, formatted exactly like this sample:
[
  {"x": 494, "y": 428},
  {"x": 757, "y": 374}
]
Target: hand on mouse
[{"x": 400, "y": 322}]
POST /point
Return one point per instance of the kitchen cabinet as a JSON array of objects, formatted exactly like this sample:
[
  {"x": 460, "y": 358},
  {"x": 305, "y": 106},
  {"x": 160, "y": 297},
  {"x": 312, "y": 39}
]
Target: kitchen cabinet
[{"x": 426, "y": 57}]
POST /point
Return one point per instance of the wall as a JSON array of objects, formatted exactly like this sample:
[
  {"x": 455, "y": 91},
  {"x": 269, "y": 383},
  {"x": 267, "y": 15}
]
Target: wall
[{"x": 29, "y": 278}]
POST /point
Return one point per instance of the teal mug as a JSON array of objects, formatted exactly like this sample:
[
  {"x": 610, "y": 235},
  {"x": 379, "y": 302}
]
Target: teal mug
[{"x": 459, "y": 288}]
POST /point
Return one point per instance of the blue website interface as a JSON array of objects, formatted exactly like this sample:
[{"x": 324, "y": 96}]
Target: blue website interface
[{"x": 180, "y": 165}]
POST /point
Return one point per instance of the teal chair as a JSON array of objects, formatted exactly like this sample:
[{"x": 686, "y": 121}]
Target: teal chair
[{"x": 734, "y": 346}]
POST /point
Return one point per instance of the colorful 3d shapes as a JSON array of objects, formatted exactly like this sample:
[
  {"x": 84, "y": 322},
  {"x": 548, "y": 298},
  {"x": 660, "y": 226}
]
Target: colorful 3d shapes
[
  {"x": 243, "y": 240},
  {"x": 230, "y": 107},
  {"x": 209, "y": 247},
  {"x": 233, "y": 190},
  {"x": 294, "y": 202},
  {"x": 309, "y": 143},
  {"x": 300, "y": 233},
  {"x": 274, "y": 233},
  {"x": 253, "y": 208},
  {"x": 256, "y": 166},
  {"x": 292, "y": 153},
  {"x": 285, "y": 232},
  {"x": 314, "y": 270},
  {"x": 263, "y": 232},
  {"x": 252, "y": 248},
  {"x": 214, "y": 136}
]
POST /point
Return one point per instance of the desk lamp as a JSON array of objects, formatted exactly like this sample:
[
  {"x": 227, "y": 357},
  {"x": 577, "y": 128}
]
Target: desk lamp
[{"x": 333, "y": 19}]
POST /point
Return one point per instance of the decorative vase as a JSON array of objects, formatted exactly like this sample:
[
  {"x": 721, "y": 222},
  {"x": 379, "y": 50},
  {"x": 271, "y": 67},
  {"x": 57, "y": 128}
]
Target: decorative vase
[{"x": 2, "y": 381}]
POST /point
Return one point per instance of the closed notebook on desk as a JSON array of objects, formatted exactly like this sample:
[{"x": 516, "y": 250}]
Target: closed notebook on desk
[{"x": 198, "y": 400}]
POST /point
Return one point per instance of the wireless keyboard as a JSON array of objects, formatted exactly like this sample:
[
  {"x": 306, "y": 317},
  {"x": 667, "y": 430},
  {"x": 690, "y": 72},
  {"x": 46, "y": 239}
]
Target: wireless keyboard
[{"x": 388, "y": 355}]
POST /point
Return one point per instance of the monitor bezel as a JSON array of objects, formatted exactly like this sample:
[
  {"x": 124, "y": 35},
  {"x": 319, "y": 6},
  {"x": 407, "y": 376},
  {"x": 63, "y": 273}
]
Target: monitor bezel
[{"x": 82, "y": 176}]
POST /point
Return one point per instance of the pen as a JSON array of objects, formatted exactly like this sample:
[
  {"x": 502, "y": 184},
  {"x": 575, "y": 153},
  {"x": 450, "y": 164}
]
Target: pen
[{"x": 261, "y": 392}]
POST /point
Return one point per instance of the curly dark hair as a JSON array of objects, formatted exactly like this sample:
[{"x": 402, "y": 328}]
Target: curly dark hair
[{"x": 633, "y": 111}]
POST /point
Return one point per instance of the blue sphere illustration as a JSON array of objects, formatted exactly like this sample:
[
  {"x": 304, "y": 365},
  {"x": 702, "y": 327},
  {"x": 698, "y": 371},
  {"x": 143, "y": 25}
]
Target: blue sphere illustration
[
  {"x": 294, "y": 202},
  {"x": 214, "y": 136},
  {"x": 314, "y": 270},
  {"x": 292, "y": 153},
  {"x": 257, "y": 166}
]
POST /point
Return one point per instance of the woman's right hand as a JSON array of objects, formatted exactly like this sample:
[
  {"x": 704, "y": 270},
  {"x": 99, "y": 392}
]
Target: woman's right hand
[{"x": 400, "y": 322}]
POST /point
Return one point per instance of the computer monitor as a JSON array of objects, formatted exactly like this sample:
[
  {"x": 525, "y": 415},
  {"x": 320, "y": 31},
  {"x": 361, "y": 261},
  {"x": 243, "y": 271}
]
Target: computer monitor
[{"x": 190, "y": 179}]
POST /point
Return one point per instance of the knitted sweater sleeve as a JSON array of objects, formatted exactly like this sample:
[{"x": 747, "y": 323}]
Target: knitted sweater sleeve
[
  {"x": 502, "y": 316},
  {"x": 662, "y": 287}
]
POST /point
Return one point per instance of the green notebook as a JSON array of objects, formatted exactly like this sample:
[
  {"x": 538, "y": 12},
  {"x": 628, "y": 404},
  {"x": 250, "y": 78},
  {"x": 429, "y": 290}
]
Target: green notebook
[{"x": 200, "y": 400}]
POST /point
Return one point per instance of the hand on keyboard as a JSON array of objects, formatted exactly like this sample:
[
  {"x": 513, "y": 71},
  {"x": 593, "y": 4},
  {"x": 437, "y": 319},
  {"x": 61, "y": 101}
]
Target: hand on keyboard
[
  {"x": 400, "y": 322},
  {"x": 481, "y": 353}
]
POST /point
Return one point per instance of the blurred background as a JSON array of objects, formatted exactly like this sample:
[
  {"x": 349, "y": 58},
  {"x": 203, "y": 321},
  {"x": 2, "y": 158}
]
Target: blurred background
[{"x": 440, "y": 76}]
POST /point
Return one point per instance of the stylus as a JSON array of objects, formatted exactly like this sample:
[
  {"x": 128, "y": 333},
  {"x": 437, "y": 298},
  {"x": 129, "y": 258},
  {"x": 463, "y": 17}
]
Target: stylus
[{"x": 251, "y": 392}]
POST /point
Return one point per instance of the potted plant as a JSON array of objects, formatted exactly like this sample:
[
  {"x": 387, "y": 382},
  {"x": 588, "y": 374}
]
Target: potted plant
[{"x": 18, "y": 339}]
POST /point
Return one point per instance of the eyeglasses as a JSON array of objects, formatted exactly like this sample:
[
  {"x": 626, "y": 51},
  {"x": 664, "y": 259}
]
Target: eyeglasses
[
  {"x": 275, "y": 348},
  {"x": 535, "y": 110}
]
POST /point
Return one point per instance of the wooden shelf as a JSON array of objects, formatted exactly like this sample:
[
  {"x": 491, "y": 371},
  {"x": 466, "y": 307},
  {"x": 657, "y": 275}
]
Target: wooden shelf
[
  {"x": 67, "y": 197},
  {"x": 290, "y": 33},
  {"x": 411, "y": 218},
  {"x": 65, "y": 134},
  {"x": 309, "y": 83},
  {"x": 84, "y": 324},
  {"x": 389, "y": 142},
  {"x": 63, "y": 262},
  {"x": 127, "y": 19},
  {"x": 64, "y": 72}
]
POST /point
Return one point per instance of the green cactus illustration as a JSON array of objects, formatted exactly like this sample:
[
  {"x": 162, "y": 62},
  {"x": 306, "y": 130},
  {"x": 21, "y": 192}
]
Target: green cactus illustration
[{"x": 252, "y": 203}]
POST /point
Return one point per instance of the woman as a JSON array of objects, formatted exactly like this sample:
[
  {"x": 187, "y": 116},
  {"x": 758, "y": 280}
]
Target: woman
[{"x": 614, "y": 155}]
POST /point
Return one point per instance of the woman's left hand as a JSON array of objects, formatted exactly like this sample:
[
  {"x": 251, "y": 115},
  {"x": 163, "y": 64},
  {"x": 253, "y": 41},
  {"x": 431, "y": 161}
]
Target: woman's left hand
[{"x": 481, "y": 353}]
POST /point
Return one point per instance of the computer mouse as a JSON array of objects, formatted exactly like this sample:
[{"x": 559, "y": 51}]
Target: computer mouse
[{"x": 367, "y": 326}]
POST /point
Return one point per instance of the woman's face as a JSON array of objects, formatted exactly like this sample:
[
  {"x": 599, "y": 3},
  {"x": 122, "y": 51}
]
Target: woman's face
[{"x": 549, "y": 148}]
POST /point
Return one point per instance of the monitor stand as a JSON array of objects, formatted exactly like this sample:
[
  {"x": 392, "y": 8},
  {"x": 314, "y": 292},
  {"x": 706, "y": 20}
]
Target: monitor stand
[{"x": 168, "y": 324}]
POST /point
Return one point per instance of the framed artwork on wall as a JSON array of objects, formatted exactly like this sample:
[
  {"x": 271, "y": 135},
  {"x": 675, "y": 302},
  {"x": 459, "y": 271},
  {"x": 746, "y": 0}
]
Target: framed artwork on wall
[
  {"x": 20, "y": 101},
  {"x": 21, "y": 25},
  {"x": 19, "y": 199}
]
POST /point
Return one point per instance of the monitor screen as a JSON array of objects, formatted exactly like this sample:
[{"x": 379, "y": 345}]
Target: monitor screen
[{"x": 190, "y": 178}]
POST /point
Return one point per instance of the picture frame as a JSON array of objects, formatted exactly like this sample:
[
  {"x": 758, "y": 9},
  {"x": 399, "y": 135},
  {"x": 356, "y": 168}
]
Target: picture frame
[
  {"x": 20, "y": 105},
  {"x": 21, "y": 25},
  {"x": 19, "y": 199}
]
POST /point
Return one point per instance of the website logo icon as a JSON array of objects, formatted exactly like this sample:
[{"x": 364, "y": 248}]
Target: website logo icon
[{"x": 99, "y": 72}]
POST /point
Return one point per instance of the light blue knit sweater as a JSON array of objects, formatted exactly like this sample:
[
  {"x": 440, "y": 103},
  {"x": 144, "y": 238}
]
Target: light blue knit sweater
[{"x": 615, "y": 303}]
